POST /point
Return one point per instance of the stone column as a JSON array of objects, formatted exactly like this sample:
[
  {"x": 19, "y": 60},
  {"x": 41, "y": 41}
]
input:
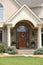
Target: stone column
[
  {"x": 8, "y": 36},
  {"x": 39, "y": 38}
]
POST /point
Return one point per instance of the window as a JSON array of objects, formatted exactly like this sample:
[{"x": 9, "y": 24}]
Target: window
[
  {"x": 42, "y": 39},
  {"x": 42, "y": 35},
  {"x": 22, "y": 29},
  {"x": 0, "y": 36},
  {"x": 1, "y": 12},
  {"x": 42, "y": 30}
]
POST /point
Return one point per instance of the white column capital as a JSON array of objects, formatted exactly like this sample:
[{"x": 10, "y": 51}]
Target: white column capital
[
  {"x": 8, "y": 26},
  {"x": 39, "y": 26}
]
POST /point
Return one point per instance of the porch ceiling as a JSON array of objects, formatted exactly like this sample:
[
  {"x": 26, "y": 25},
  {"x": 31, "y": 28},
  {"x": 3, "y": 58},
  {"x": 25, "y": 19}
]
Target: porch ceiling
[{"x": 24, "y": 13}]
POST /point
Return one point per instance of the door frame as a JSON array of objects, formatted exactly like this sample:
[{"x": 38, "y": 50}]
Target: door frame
[{"x": 17, "y": 45}]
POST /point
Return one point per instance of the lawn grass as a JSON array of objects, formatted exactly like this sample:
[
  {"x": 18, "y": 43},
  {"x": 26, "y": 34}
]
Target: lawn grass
[{"x": 21, "y": 60}]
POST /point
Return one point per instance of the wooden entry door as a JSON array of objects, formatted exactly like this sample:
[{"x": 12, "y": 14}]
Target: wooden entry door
[{"x": 22, "y": 39}]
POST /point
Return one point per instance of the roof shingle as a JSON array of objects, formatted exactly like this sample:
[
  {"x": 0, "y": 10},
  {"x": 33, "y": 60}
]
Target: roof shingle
[{"x": 31, "y": 3}]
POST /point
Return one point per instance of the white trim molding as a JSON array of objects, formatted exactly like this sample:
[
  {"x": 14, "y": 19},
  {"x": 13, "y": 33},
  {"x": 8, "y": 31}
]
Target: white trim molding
[{"x": 24, "y": 13}]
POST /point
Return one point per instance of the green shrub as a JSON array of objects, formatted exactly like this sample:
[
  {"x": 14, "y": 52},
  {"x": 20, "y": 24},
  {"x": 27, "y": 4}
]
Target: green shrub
[
  {"x": 39, "y": 51},
  {"x": 3, "y": 48},
  {"x": 12, "y": 50}
]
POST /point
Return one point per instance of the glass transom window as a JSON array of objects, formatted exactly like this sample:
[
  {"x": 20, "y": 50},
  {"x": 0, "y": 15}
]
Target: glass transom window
[{"x": 22, "y": 29}]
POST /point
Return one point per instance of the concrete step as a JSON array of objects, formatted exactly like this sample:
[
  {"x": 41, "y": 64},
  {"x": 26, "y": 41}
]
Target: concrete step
[{"x": 26, "y": 51}]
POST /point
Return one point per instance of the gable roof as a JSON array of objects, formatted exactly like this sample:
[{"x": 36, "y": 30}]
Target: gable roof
[
  {"x": 33, "y": 18},
  {"x": 16, "y": 3},
  {"x": 31, "y": 3}
]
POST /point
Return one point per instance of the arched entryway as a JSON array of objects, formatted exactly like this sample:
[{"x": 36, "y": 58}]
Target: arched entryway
[{"x": 25, "y": 35}]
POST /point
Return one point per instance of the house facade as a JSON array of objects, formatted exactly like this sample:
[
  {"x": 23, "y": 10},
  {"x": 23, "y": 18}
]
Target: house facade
[{"x": 21, "y": 22}]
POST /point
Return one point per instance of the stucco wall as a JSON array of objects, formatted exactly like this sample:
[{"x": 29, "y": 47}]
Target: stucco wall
[{"x": 9, "y": 9}]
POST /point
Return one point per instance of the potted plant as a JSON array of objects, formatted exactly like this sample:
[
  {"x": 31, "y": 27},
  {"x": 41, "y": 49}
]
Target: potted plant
[{"x": 33, "y": 44}]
